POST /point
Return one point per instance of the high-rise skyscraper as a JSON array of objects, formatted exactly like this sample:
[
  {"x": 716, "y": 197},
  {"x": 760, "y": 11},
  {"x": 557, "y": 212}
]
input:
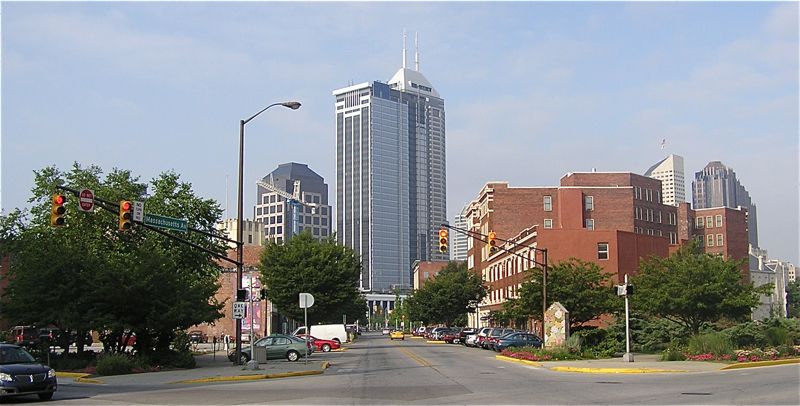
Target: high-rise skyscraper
[
  {"x": 459, "y": 240},
  {"x": 390, "y": 175},
  {"x": 716, "y": 186},
  {"x": 284, "y": 215},
  {"x": 670, "y": 172}
]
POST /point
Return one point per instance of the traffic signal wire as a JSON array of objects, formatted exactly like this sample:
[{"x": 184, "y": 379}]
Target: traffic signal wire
[
  {"x": 114, "y": 209},
  {"x": 485, "y": 239}
]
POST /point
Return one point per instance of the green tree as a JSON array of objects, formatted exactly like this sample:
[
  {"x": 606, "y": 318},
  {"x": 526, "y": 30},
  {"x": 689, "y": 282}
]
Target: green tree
[
  {"x": 326, "y": 270},
  {"x": 793, "y": 298},
  {"x": 582, "y": 287},
  {"x": 691, "y": 288},
  {"x": 87, "y": 275},
  {"x": 448, "y": 297}
]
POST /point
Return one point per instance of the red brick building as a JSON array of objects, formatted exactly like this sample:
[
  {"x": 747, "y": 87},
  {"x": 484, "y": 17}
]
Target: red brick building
[
  {"x": 424, "y": 270},
  {"x": 611, "y": 219}
]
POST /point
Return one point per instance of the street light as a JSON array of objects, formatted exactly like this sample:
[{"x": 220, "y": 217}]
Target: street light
[{"x": 239, "y": 240}]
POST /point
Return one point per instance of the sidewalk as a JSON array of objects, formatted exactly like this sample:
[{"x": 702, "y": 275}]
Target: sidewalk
[
  {"x": 642, "y": 364},
  {"x": 212, "y": 368}
]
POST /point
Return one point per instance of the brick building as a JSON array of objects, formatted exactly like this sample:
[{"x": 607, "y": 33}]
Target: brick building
[
  {"x": 612, "y": 219},
  {"x": 424, "y": 270}
]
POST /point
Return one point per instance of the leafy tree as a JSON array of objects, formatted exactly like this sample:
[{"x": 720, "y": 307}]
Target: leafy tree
[
  {"x": 87, "y": 275},
  {"x": 448, "y": 297},
  {"x": 581, "y": 287},
  {"x": 324, "y": 269},
  {"x": 793, "y": 298},
  {"x": 691, "y": 288}
]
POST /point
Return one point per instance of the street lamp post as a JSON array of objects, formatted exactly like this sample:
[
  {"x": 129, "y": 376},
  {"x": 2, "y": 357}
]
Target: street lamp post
[{"x": 239, "y": 240}]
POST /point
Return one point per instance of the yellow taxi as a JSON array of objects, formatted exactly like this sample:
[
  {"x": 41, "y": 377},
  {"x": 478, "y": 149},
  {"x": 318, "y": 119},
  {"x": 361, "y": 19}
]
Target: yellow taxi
[{"x": 397, "y": 334}]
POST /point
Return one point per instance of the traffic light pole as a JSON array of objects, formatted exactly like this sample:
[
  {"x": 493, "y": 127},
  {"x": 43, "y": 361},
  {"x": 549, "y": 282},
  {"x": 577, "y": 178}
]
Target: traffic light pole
[{"x": 485, "y": 238}]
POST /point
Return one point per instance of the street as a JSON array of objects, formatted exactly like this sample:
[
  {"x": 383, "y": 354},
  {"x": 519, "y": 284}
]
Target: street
[{"x": 375, "y": 370}]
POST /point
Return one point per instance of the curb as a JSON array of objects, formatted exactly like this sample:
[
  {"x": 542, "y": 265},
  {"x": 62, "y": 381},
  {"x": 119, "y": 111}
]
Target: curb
[
  {"x": 79, "y": 377},
  {"x": 615, "y": 370},
  {"x": 435, "y": 342},
  {"x": 518, "y": 361},
  {"x": 254, "y": 377},
  {"x": 762, "y": 363}
]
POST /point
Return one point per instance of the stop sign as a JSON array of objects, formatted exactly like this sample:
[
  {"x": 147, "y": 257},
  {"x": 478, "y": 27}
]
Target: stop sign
[{"x": 86, "y": 200}]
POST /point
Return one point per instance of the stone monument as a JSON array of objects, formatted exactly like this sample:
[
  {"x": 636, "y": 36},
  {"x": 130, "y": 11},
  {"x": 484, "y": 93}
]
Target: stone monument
[{"x": 556, "y": 325}]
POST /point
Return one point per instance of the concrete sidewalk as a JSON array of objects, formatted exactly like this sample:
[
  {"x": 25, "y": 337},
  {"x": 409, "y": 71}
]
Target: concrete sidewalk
[{"x": 211, "y": 368}]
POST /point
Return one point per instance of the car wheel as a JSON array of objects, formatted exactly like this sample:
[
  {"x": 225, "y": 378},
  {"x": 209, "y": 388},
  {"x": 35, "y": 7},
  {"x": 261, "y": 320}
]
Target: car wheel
[
  {"x": 326, "y": 347},
  {"x": 245, "y": 358},
  {"x": 337, "y": 341},
  {"x": 292, "y": 355},
  {"x": 46, "y": 396}
]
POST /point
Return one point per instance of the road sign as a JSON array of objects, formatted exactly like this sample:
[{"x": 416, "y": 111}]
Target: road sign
[
  {"x": 86, "y": 200},
  {"x": 306, "y": 300},
  {"x": 239, "y": 310},
  {"x": 138, "y": 211},
  {"x": 169, "y": 223}
]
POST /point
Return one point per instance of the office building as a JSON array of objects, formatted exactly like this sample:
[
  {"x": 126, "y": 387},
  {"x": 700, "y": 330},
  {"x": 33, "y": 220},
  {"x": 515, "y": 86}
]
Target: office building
[
  {"x": 292, "y": 199},
  {"x": 670, "y": 172},
  {"x": 458, "y": 240},
  {"x": 390, "y": 176},
  {"x": 717, "y": 186}
]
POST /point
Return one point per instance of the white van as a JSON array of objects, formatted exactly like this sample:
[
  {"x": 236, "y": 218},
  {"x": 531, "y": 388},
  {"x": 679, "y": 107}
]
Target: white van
[{"x": 335, "y": 332}]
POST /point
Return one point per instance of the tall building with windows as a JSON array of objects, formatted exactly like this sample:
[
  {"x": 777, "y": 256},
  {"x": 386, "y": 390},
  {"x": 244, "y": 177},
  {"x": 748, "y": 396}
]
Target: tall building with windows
[
  {"x": 670, "y": 172},
  {"x": 390, "y": 176},
  {"x": 458, "y": 240},
  {"x": 285, "y": 211},
  {"x": 716, "y": 186}
]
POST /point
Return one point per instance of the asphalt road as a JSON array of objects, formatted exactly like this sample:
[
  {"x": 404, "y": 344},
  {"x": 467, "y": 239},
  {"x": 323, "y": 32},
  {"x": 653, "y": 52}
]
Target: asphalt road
[{"x": 377, "y": 371}]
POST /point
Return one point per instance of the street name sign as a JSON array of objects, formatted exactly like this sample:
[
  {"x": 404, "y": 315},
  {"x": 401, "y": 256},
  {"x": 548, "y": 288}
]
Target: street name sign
[
  {"x": 169, "y": 223},
  {"x": 86, "y": 200},
  {"x": 239, "y": 310}
]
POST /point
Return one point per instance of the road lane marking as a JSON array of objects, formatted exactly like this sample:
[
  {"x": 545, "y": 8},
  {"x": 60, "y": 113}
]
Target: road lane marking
[{"x": 415, "y": 357}]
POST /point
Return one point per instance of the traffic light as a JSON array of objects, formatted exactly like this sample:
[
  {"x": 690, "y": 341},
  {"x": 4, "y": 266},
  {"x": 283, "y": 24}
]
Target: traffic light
[
  {"x": 57, "y": 210},
  {"x": 443, "y": 240},
  {"x": 492, "y": 241},
  {"x": 241, "y": 295},
  {"x": 628, "y": 289},
  {"x": 125, "y": 215}
]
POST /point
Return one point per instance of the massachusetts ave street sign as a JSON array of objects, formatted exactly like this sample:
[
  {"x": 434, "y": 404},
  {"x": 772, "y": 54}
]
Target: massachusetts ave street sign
[{"x": 169, "y": 223}]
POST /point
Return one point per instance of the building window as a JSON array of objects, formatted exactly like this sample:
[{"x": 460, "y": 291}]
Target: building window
[
  {"x": 590, "y": 224},
  {"x": 673, "y": 239},
  {"x": 698, "y": 223},
  {"x": 548, "y": 203},
  {"x": 719, "y": 240},
  {"x": 280, "y": 219},
  {"x": 548, "y": 223},
  {"x": 658, "y": 217},
  {"x": 324, "y": 232},
  {"x": 588, "y": 201},
  {"x": 602, "y": 250},
  {"x": 700, "y": 241},
  {"x": 279, "y": 229},
  {"x": 710, "y": 240},
  {"x": 719, "y": 220},
  {"x": 709, "y": 222}
]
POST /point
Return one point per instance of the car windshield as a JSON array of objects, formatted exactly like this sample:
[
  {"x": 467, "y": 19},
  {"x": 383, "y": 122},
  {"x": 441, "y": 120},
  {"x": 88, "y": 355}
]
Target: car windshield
[{"x": 15, "y": 355}]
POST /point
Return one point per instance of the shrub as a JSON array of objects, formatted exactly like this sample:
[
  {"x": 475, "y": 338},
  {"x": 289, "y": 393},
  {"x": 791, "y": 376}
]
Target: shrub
[
  {"x": 114, "y": 364},
  {"x": 712, "y": 343},
  {"x": 777, "y": 336},
  {"x": 73, "y": 361},
  {"x": 673, "y": 353}
]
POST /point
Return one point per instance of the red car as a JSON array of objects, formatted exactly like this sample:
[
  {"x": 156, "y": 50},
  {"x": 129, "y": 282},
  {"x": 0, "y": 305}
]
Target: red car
[{"x": 321, "y": 344}]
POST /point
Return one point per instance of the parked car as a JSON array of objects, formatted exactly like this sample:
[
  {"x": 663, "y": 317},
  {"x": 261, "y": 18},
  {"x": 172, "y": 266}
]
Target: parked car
[
  {"x": 517, "y": 339},
  {"x": 321, "y": 344},
  {"x": 277, "y": 346},
  {"x": 26, "y": 336},
  {"x": 21, "y": 375},
  {"x": 418, "y": 332},
  {"x": 451, "y": 336},
  {"x": 335, "y": 332},
  {"x": 482, "y": 336},
  {"x": 435, "y": 333},
  {"x": 491, "y": 338},
  {"x": 397, "y": 334},
  {"x": 385, "y": 331},
  {"x": 198, "y": 337},
  {"x": 466, "y": 332}
]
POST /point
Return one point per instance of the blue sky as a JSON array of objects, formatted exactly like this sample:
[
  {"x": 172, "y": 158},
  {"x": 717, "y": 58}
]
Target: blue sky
[{"x": 532, "y": 90}]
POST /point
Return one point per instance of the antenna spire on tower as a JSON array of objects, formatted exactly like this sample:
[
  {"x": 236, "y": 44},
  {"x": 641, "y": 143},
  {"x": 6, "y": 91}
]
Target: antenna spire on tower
[
  {"x": 416, "y": 51},
  {"x": 404, "y": 48}
]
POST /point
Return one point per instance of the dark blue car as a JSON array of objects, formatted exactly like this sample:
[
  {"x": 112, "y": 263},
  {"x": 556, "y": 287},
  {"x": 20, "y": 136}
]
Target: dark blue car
[
  {"x": 517, "y": 340},
  {"x": 21, "y": 375}
]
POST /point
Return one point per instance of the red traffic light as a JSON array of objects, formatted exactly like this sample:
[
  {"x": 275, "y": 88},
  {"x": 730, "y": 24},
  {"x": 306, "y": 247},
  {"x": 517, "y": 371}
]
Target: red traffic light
[
  {"x": 126, "y": 205},
  {"x": 59, "y": 199}
]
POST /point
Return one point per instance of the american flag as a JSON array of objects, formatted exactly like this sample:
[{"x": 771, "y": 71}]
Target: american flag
[{"x": 663, "y": 142}]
